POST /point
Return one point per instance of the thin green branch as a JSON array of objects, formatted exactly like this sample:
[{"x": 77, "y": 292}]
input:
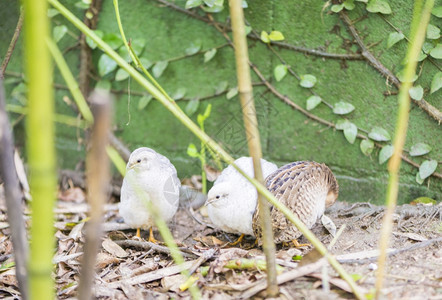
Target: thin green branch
[
  {"x": 421, "y": 18},
  {"x": 181, "y": 116},
  {"x": 70, "y": 81},
  {"x": 59, "y": 118}
]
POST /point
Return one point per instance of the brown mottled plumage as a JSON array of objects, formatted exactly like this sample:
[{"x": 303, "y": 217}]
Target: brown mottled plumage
[{"x": 306, "y": 188}]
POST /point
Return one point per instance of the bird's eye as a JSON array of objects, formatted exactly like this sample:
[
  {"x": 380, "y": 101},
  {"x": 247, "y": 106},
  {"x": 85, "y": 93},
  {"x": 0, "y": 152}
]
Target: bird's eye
[
  {"x": 217, "y": 197},
  {"x": 139, "y": 160}
]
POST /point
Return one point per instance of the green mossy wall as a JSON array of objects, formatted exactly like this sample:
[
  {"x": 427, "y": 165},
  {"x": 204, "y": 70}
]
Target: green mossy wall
[{"x": 287, "y": 135}]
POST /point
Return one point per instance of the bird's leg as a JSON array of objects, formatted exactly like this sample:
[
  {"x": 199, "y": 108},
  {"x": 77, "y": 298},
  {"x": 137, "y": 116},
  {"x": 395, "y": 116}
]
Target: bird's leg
[
  {"x": 151, "y": 237},
  {"x": 138, "y": 235},
  {"x": 298, "y": 245},
  {"x": 239, "y": 240}
]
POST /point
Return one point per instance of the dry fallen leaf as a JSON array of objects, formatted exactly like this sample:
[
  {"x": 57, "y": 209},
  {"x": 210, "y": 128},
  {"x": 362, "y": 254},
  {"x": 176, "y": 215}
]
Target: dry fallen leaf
[
  {"x": 412, "y": 236},
  {"x": 104, "y": 259},
  {"x": 114, "y": 249},
  {"x": 328, "y": 224},
  {"x": 211, "y": 173}
]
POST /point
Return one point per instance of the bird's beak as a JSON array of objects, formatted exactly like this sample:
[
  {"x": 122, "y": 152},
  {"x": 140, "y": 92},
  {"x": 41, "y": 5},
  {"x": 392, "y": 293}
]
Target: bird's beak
[
  {"x": 210, "y": 201},
  {"x": 130, "y": 167}
]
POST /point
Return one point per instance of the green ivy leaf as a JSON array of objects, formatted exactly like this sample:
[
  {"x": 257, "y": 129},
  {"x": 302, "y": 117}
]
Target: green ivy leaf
[
  {"x": 209, "y": 55},
  {"x": 214, "y": 9},
  {"x": 437, "y": 11},
  {"x": 90, "y": 42},
  {"x": 207, "y": 111},
  {"x": 52, "y": 12},
  {"x": 416, "y": 92},
  {"x": 436, "y": 83},
  {"x": 82, "y": 5},
  {"x": 192, "y": 151},
  {"x": 313, "y": 101},
  {"x": 124, "y": 53},
  {"x": 121, "y": 75},
  {"x": 342, "y": 108},
  {"x": 192, "y": 107},
  {"x": 146, "y": 62},
  {"x": 103, "y": 85},
  {"x": 221, "y": 87},
  {"x": 378, "y": 6},
  {"x": 337, "y": 8},
  {"x": 379, "y": 134},
  {"x": 209, "y": 3},
  {"x": 401, "y": 77},
  {"x": 138, "y": 45},
  {"x": 106, "y": 65},
  {"x": 307, "y": 81},
  {"x": 385, "y": 153},
  {"x": 193, "y": 48},
  {"x": 159, "y": 68},
  {"x": 433, "y": 32},
  {"x": 144, "y": 101},
  {"x": 342, "y": 124},
  {"x": 114, "y": 41},
  {"x": 393, "y": 38},
  {"x": 419, "y": 179},
  {"x": 193, "y": 3},
  {"x": 349, "y": 4},
  {"x": 276, "y": 36},
  {"x": 436, "y": 52},
  {"x": 248, "y": 29},
  {"x": 280, "y": 71},
  {"x": 232, "y": 93},
  {"x": 179, "y": 94},
  {"x": 427, "y": 168},
  {"x": 350, "y": 132},
  {"x": 58, "y": 32},
  {"x": 366, "y": 147},
  {"x": 424, "y": 200},
  {"x": 265, "y": 37},
  {"x": 419, "y": 149}
]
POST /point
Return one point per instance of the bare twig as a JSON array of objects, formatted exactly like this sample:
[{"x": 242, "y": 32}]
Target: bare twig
[
  {"x": 148, "y": 245},
  {"x": 289, "y": 102},
  {"x": 424, "y": 105},
  {"x": 285, "y": 277},
  {"x": 348, "y": 258},
  {"x": 85, "y": 51},
  {"x": 11, "y": 45},
  {"x": 154, "y": 275},
  {"x": 13, "y": 197},
  {"x": 346, "y": 56},
  {"x": 97, "y": 177}
]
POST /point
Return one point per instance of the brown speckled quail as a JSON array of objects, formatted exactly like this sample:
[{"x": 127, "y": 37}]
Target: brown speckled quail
[{"x": 306, "y": 188}]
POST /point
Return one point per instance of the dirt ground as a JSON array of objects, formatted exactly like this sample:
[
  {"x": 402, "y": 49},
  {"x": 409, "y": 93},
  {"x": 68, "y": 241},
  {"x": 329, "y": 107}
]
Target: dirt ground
[{"x": 128, "y": 268}]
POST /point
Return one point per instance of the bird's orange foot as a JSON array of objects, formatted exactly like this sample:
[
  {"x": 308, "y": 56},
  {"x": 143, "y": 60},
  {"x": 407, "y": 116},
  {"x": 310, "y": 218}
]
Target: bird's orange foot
[
  {"x": 298, "y": 245},
  {"x": 152, "y": 238},
  {"x": 239, "y": 240}
]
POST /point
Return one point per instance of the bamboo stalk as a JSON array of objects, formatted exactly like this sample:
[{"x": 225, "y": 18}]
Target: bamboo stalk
[
  {"x": 421, "y": 17},
  {"x": 183, "y": 118},
  {"x": 40, "y": 148},
  {"x": 98, "y": 180},
  {"x": 252, "y": 134}
]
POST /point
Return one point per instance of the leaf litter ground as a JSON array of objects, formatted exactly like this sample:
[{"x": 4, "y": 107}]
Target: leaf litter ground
[{"x": 128, "y": 268}]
